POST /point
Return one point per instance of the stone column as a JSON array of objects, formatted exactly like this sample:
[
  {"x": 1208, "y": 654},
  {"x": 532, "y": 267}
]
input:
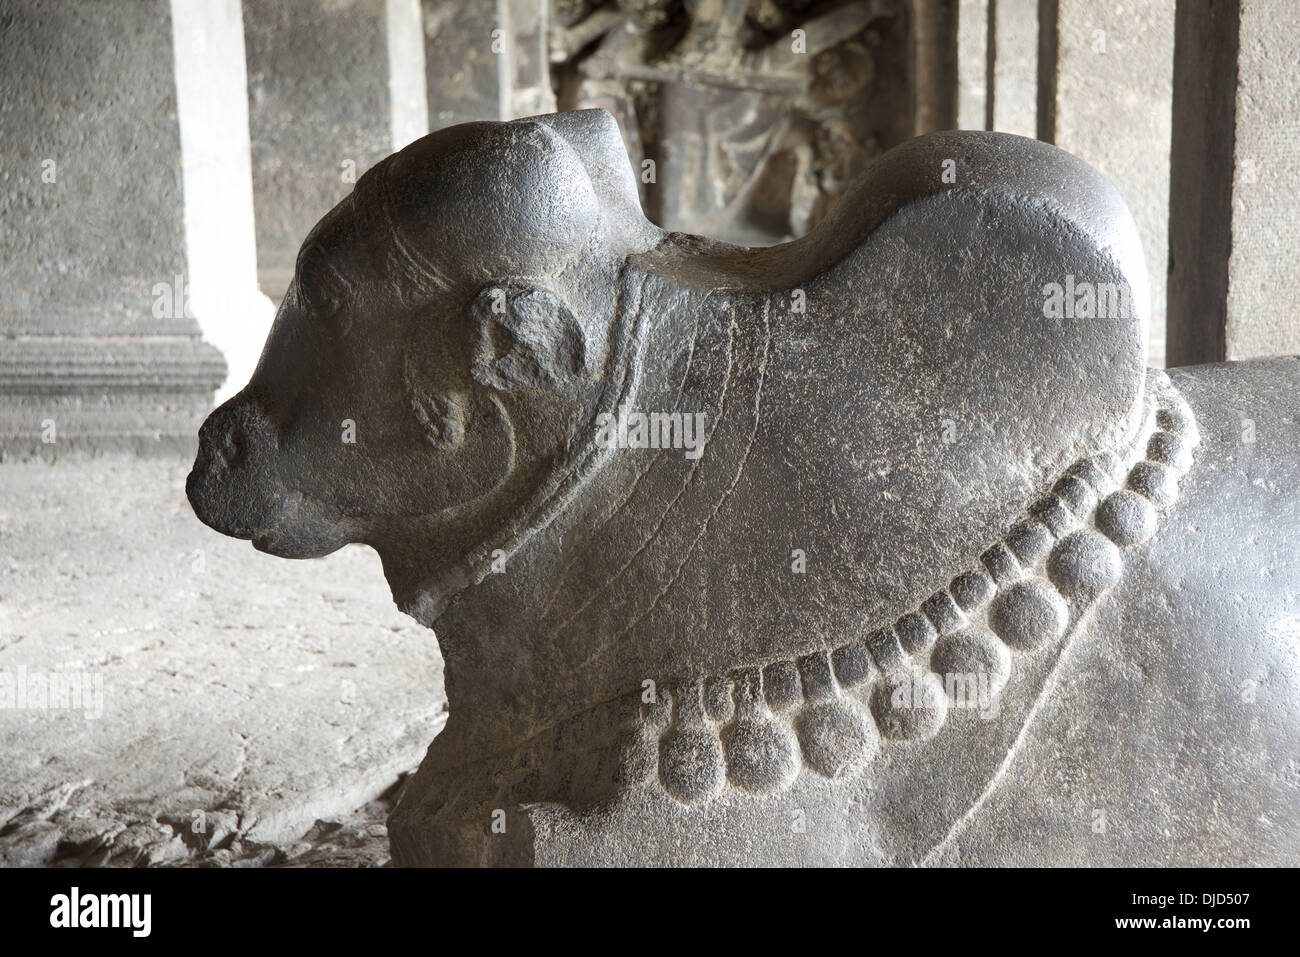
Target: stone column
[
  {"x": 973, "y": 65},
  {"x": 1106, "y": 82},
  {"x": 934, "y": 65},
  {"x": 220, "y": 237},
  {"x": 486, "y": 61},
  {"x": 98, "y": 350},
  {"x": 524, "y": 62},
  {"x": 1014, "y": 89},
  {"x": 406, "y": 71},
  {"x": 460, "y": 67},
  {"x": 318, "y": 115},
  {"x": 1236, "y": 162}
]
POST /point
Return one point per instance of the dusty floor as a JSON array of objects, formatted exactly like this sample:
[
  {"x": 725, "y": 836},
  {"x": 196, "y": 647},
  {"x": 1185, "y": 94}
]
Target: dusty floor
[{"x": 254, "y": 710}]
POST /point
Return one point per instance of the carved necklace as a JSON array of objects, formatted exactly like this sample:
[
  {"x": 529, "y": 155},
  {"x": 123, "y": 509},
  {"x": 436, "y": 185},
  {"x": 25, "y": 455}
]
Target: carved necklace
[{"x": 832, "y": 712}]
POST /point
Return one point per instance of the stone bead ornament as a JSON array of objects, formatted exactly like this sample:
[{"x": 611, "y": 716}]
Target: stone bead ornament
[
  {"x": 833, "y": 712},
  {"x": 857, "y": 549}
]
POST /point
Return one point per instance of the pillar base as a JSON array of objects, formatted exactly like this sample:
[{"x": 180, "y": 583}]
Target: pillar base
[{"x": 113, "y": 394}]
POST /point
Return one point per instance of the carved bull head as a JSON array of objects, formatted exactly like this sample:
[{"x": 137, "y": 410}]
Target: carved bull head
[{"x": 446, "y": 332}]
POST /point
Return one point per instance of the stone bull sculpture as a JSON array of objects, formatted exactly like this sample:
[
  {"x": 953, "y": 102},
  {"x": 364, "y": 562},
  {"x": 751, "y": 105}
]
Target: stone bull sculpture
[{"x": 878, "y": 547}]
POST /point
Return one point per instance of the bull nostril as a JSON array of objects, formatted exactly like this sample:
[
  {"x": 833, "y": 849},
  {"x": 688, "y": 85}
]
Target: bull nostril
[
  {"x": 233, "y": 434},
  {"x": 231, "y": 450}
]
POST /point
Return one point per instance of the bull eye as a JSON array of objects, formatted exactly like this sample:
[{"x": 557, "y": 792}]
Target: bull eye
[{"x": 319, "y": 283}]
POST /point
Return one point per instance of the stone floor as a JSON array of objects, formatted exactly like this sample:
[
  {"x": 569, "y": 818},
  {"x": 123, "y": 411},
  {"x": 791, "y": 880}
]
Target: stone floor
[{"x": 254, "y": 710}]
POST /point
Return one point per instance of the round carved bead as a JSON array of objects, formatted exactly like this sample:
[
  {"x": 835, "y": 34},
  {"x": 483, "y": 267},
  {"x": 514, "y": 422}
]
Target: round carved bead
[
  {"x": 1029, "y": 541},
  {"x": 909, "y": 706},
  {"x": 972, "y": 589},
  {"x": 1170, "y": 449},
  {"x": 915, "y": 633},
  {"x": 1029, "y": 613},
  {"x": 1079, "y": 497},
  {"x": 973, "y": 664},
  {"x": 638, "y": 760},
  {"x": 1126, "y": 518},
  {"x": 1157, "y": 482},
  {"x": 762, "y": 756},
  {"x": 1002, "y": 564},
  {"x": 1177, "y": 418},
  {"x": 837, "y": 737},
  {"x": 690, "y": 764},
  {"x": 1084, "y": 565}
]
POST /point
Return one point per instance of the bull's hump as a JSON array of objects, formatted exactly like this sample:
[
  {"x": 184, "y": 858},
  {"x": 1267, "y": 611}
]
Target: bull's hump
[{"x": 894, "y": 391}]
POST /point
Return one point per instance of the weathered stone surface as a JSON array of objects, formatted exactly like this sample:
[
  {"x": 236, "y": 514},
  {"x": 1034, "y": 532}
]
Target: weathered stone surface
[
  {"x": 1015, "y": 71},
  {"x": 91, "y": 106},
  {"x": 1235, "y": 162},
  {"x": 1111, "y": 87},
  {"x": 905, "y": 396},
  {"x": 973, "y": 65},
  {"x": 314, "y": 127},
  {"x": 98, "y": 347},
  {"x": 249, "y": 695},
  {"x": 1265, "y": 208},
  {"x": 1195, "y": 644},
  {"x": 487, "y": 61}
]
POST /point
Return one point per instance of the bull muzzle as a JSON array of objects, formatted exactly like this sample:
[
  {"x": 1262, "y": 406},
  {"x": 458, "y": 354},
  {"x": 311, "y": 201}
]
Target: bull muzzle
[{"x": 233, "y": 487}]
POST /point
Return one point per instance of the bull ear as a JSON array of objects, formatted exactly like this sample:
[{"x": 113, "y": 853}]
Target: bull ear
[{"x": 526, "y": 338}]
